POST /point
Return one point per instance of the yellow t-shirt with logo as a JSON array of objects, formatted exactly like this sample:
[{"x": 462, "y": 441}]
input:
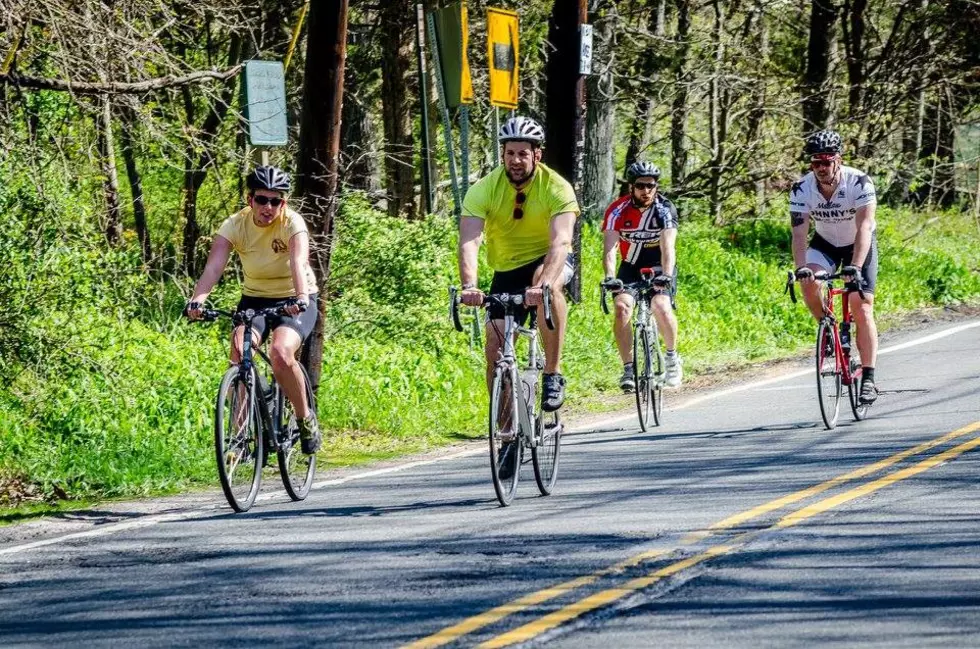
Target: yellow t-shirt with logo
[
  {"x": 265, "y": 253},
  {"x": 512, "y": 243}
]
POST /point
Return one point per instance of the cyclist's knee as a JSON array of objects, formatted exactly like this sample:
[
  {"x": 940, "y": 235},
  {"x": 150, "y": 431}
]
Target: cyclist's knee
[{"x": 282, "y": 356}]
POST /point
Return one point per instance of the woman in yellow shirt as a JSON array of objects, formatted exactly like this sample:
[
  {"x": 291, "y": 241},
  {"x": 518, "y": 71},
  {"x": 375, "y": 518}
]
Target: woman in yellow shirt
[{"x": 274, "y": 246}]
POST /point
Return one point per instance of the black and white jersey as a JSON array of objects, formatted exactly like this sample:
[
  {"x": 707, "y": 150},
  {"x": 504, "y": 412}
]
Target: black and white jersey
[{"x": 835, "y": 219}]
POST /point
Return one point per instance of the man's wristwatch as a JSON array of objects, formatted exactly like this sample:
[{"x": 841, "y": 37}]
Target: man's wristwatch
[{"x": 468, "y": 285}]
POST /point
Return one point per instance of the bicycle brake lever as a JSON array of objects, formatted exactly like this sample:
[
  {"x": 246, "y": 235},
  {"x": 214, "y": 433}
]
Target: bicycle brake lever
[
  {"x": 546, "y": 293},
  {"x": 454, "y": 308}
]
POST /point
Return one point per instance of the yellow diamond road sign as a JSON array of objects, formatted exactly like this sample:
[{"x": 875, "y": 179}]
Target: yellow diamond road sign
[{"x": 502, "y": 45}]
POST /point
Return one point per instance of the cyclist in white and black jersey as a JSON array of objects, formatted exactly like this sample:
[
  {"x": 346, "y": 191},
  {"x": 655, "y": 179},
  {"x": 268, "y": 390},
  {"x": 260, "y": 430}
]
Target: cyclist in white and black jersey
[{"x": 841, "y": 201}]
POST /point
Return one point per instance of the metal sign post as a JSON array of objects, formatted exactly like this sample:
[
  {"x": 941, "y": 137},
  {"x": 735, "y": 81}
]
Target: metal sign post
[{"x": 446, "y": 128}]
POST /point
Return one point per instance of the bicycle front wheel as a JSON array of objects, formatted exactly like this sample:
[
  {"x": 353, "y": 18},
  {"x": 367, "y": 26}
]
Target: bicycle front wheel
[
  {"x": 645, "y": 379},
  {"x": 657, "y": 381},
  {"x": 295, "y": 467},
  {"x": 505, "y": 443},
  {"x": 828, "y": 373},
  {"x": 544, "y": 456},
  {"x": 238, "y": 441}
]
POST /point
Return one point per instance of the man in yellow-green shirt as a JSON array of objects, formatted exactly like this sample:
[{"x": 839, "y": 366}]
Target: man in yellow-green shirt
[
  {"x": 526, "y": 213},
  {"x": 273, "y": 244}
]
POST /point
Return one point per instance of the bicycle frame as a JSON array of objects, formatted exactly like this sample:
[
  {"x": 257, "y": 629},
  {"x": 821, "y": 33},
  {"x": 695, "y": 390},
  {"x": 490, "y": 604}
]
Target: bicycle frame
[
  {"x": 508, "y": 352},
  {"x": 829, "y": 292},
  {"x": 508, "y": 360}
]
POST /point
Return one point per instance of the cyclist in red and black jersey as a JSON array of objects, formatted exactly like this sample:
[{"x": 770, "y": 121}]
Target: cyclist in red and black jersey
[{"x": 644, "y": 225}]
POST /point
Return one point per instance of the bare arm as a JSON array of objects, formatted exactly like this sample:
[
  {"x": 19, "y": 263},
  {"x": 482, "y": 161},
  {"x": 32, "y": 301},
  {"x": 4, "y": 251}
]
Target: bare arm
[
  {"x": 668, "y": 250},
  {"x": 217, "y": 260},
  {"x": 299, "y": 262},
  {"x": 801, "y": 228},
  {"x": 610, "y": 240},
  {"x": 562, "y": 230},
  {"x": 470, "y": 238},
  {"x": 865, "y": 220}
]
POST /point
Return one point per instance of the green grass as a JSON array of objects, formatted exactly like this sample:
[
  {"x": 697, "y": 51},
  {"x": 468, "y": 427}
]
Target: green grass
[{"x": 110, "y": 395}]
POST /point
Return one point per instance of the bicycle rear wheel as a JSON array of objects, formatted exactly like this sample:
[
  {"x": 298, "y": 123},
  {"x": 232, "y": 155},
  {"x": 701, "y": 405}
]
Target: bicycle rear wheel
[
  {"x": 643, "y": 366},
  {"x": 295, "y": 467},
  {"x": 506, "y": 446},
  {"x": 828, "y": 373},
  {"x": 546, "y": 454},
  {"x": 859, "y": 409},
  {"x": 238, "y": 441}
]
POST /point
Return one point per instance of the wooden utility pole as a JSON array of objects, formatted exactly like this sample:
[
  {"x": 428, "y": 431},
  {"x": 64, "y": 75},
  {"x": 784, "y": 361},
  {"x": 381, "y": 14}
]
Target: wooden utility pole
[
  {"x": 565, "y": 113},
  {"x": 319, "y": 149}
]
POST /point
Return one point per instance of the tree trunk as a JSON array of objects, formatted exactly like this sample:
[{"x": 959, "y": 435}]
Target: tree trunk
[
  {"x": 757, "y": 115},
  {"x": 564, "y": 110},
  {"x": 678, "y": 118},
  {"x": 650, "y": 65},
  {"x": 397, "y": 33},
  {"x": 110, "y": 178},
  {"x": 599, "y": 174},
  {"x": 816, "y": 110},
  {"x": 196, "y": 165},
  {"x": 718, "y": 114},
  {"x": 319, "y": 150},
  {"x": 128, "y": 124},
  {"x": 854, "y": 29}
]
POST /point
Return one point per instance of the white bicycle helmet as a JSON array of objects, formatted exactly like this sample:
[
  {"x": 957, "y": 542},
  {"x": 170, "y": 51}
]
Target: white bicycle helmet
[
  {"x": 521, "y": 129},
  {"x": 267, "y": 177}
]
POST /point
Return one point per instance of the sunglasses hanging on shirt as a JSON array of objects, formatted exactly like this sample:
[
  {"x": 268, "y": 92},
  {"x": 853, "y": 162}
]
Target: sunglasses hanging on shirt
[{"x": 519, "y": 207}]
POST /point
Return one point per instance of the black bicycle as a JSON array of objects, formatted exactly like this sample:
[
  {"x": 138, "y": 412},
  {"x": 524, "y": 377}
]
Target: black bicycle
[
  {"x": 516, "y": 419},
  {"x": 648, "y": 358},
  {"x": 253, "y": 418}
]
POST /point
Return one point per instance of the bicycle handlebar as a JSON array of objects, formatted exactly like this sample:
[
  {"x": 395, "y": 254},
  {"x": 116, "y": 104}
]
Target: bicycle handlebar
[
  {"x": 823, "y": 276},
  {"x": 617, "y": 286},
  {"x": 503, "y": 299},
  {"x": 242, "y": 317}
]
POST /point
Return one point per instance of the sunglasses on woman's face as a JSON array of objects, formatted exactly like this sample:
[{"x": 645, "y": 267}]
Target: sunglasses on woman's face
[
  {"x": 518, "y": 209},
  {"x": 642, "y": 186},
  {"x": 265, "y": 200}
]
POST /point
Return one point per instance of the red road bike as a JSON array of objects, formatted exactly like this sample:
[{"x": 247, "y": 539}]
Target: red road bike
[{"x": 836, "y": 367}]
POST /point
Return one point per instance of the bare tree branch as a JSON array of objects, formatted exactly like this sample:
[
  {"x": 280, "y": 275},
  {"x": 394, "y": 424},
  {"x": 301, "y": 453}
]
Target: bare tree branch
[{"x": 117, "y": 87}]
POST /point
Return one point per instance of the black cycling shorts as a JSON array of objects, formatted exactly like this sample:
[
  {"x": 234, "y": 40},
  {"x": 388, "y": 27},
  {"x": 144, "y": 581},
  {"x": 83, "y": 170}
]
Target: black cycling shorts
[
  {"x": 630, "y": 273},
  {"x": 519, "y": 280},
  {"x": 832, "y": 258},
  {"x": 302, "y": 324}
]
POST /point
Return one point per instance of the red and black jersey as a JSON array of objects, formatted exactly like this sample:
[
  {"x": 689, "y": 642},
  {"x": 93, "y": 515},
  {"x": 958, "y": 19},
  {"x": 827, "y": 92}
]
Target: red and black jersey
[{"x": 639, "y": 230}]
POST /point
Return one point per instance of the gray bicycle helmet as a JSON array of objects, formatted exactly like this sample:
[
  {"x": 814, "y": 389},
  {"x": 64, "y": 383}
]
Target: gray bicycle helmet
[
  {"x": 823, "y": 142},
  {"x": 270, "y": 178},
  {"x": 639, "y": 169},
  {"x": 521, "y": 129}
]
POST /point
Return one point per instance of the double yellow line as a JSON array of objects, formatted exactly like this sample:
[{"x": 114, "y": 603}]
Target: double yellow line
[{"x": 608, "y": 596}]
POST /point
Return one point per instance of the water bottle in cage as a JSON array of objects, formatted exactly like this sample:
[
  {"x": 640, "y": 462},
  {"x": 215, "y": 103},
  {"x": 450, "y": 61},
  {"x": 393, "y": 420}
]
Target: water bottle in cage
[{"x": 845, "y": 335}]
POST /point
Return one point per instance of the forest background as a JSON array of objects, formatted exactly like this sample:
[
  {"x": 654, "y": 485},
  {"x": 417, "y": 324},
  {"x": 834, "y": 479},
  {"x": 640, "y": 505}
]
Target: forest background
[{"x": 122, "y": 148}]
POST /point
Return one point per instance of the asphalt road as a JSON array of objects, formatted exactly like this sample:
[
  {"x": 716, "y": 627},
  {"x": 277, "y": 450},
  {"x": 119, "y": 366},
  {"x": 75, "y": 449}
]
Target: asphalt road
[{"x": 741, "y": 522}]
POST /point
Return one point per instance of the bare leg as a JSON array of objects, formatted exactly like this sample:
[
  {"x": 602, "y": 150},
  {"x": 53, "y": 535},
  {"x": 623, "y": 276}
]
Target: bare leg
[
  {"x": 663, "y": 312},
  {"x": 811, "y": 294},
  {"x": 622, "y": 328},
  {"x": 867, "y": 334},
  {"x": 285, "y": 343},
  {"x": 553, "y": 339}
]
